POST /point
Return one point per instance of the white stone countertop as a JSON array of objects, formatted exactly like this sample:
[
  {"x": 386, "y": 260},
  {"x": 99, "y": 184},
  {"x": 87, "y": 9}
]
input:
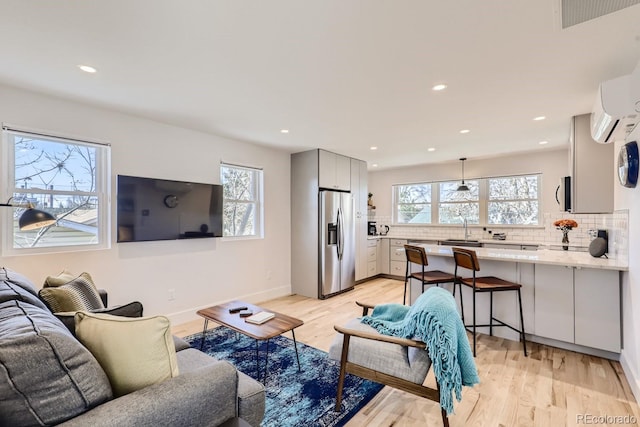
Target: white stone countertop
[{"x": 541, "y": 256}]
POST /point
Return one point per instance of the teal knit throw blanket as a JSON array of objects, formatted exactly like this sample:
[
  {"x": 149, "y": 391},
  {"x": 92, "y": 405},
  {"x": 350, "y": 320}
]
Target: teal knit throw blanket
[{"x": 433, "y": 319}]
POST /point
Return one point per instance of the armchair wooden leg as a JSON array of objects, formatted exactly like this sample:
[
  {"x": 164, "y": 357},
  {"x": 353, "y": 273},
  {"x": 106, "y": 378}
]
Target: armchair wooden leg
[{"x": 343, "y": 371}]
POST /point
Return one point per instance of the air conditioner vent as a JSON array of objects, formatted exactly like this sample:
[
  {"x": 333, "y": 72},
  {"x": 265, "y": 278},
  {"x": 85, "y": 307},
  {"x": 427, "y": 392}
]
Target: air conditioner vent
[{"x": 577, "y": 11}]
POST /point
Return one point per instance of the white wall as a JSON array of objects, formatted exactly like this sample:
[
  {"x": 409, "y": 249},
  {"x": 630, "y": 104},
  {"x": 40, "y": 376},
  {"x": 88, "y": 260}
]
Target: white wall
[
  {"x": 629, "y": 198},
  {"x": 202, "y": 271}
]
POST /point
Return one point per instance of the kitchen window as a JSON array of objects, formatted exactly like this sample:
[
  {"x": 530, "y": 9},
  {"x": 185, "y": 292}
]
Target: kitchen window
[
  {"x": 513, "y": 200},
  {"x": 65, "y": 177},
  {"x": 242, "y": 205},
  {"x": 456, "y": 206},
  {"x": 413, "y": 204},
  {"x": 509, "y": 200}
]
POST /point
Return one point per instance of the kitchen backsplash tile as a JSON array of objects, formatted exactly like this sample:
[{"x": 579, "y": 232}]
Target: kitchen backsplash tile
[{"x": 616, "y": 225}]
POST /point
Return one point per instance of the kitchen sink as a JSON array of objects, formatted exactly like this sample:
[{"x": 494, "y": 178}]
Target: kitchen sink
[{"x": 461, "y": 242}]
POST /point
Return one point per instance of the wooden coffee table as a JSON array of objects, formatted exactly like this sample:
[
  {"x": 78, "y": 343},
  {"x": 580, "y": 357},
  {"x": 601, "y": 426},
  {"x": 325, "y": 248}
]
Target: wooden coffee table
[{"x": 278, "y": 325}]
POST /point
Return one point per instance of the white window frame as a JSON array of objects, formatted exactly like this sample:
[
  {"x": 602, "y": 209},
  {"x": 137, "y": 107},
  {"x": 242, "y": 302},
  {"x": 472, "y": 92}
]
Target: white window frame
[
  {"x": 396, "y": 197},
  {"x": 258, "y": 201},
  {"x": 102, "y": 191},
  {"x": 483, "y": 202}
]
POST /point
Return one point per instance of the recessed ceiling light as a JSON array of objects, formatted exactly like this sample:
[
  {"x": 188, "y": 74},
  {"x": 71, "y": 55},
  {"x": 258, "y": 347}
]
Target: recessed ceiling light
[
  {"x": 375, "y": 165},
  {"x": 537, "y": 119},
  {"x": 373, "y": 148},
  {"x": 284, "y": 130},
  {"x": 465, "y": 131},
  {"x": 431, "y": 149},
  {"x": 543, "y": 142},
  {"x": 87, "y": 68},
  {"x": 440, "y": 86}
]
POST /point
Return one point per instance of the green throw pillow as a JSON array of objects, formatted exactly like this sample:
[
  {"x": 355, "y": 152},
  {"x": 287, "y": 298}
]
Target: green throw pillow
[
  {"x": 64, "y": 277},
  {"x": 76, "y": 295},
  {"x": 134, "y": 352}
]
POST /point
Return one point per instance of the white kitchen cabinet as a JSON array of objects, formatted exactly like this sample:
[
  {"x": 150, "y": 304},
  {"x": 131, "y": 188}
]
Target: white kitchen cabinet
[
  {"x": 592, "y": 169},
  {"x": 372, "y": 257},
  {"x": 578, "y": 305},
  {"x": 597, "y": 308},
  {"x": 397, "y": 258},
  {"x": 358, "y": 186},
  {"x": 334, "y": 171},
  {"x": 554, "y": 316},
  {"x": 383, "y": 256}
]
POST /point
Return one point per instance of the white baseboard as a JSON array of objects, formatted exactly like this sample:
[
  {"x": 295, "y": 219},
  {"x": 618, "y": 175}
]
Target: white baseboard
[
  {"x": 630, "y": 373},
  {"x": 189, "y": 314}
]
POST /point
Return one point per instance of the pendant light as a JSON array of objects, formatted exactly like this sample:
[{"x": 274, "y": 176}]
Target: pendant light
[{"x": 462, "y": 186}]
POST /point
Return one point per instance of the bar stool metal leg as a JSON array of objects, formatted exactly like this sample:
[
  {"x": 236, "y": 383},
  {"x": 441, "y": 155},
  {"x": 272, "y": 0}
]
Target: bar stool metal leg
[{"x": 524, "y": 340}]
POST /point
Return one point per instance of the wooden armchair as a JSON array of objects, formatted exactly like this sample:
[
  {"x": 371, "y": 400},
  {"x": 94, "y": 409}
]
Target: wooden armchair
[{"x": 396, "y": 362}]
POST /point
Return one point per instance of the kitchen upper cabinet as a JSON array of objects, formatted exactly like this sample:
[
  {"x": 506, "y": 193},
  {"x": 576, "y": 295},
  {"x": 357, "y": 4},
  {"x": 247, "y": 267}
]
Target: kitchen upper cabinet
[
  {"x": 592, "y": 169},
  {"x": 334, "y": 171}
]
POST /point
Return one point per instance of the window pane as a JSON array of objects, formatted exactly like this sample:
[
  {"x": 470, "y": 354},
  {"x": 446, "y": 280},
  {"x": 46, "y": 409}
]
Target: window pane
[
  {"x": 418, "y": 193},
  {"x": 239, "y": 219},
  {"x": 418, "y": 213},
  {"x": 449, "y": 191},
  {"x": 52, "y": 165},
  {"x": 512, "y": 188},
  {"x": 513, "y": 212},
  {"x": 77, "y": 222},
  {"x": 239, "y": 184},
  {"x": 456, "y": 213}
]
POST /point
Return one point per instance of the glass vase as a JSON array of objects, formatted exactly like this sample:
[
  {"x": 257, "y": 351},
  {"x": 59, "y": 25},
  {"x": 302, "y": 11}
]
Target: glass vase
[{"x": 565, "y": 240}]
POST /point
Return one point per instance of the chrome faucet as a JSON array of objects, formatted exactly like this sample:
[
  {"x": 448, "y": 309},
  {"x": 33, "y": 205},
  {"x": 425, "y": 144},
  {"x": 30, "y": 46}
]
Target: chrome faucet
[{"x": 466, "y": 229}]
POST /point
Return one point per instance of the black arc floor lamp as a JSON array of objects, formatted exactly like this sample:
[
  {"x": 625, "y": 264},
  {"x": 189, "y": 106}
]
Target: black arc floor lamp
[{"x": 31, "y": 218}]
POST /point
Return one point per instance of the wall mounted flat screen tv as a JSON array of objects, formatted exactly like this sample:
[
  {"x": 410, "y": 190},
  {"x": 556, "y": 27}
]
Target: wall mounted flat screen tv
[{"x": 160, "y": 209}]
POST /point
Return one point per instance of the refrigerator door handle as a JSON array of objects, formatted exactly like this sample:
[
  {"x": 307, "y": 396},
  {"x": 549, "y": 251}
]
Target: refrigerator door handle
[{"x": 340, "y": 235}]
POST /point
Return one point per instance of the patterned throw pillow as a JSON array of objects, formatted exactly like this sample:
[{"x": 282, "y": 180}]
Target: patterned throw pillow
[
  {"x": 64, "y": 277},
  {"x": 77, "y": 295},
  {"x": 134, "y": 352}
]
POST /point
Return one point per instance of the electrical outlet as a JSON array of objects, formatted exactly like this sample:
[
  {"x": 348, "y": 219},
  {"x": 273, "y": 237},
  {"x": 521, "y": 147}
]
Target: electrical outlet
[{"x": 172, "y": 294}]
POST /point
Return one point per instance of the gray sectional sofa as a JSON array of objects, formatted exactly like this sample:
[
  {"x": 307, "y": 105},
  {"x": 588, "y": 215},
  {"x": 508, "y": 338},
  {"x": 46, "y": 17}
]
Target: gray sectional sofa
[{"x": 48, "y": 378}]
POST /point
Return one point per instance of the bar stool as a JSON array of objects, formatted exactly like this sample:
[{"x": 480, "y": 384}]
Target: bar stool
[
  {"x": 467, "y": 258},
  {"x": 417, "y": 255}
]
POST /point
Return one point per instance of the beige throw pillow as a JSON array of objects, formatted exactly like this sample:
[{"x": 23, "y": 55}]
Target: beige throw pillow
[
  {"x": 64, "y": 277},
  {"x": 78, "y": 294},
  {"x": 134, "y": 352}
]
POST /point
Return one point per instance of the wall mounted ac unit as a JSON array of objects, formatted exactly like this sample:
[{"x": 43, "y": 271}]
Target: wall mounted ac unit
[{"x": 617, "y": 108}]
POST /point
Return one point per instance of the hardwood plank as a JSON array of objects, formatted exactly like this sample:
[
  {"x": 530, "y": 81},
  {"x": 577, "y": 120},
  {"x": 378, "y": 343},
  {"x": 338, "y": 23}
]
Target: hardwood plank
[{"x": 550, "y": 388}]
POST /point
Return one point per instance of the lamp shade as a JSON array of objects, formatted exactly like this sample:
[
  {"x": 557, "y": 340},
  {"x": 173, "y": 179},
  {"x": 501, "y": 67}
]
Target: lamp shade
[
  {"x": 32, "y": 219},
  {"x": 462, "y": 187}
]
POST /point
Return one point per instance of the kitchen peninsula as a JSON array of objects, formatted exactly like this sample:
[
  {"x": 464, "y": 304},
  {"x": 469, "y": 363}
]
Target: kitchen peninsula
[{"x": 570, "y": 299}]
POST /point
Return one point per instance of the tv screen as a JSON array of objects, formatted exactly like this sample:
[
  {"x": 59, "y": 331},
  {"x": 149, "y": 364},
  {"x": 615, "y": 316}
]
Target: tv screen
[{"x": 160, "y": 209}]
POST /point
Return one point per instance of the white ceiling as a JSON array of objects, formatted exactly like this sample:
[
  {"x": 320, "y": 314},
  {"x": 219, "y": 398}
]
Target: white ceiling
[{"x": 343, "y": 75}]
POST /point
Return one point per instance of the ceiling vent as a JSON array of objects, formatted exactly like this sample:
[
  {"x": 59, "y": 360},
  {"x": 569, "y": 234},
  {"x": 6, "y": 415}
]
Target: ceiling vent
[{"x": 577, "y": 11}]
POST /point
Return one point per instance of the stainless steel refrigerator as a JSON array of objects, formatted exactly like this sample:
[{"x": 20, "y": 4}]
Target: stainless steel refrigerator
[{"x": 336, "y": 243}]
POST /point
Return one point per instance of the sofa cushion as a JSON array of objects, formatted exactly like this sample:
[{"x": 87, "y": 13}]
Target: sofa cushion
[
  {"x": 134, "y": 352},
  {"x": 46, "y": 375},
  {"x": 14, "y": 286},
  {"x": 78, "y": 294}
]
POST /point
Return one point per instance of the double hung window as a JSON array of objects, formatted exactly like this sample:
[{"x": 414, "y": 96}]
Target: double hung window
[
  {"x": 242, "y": 205},
  {"x": 64, "y": 177}
]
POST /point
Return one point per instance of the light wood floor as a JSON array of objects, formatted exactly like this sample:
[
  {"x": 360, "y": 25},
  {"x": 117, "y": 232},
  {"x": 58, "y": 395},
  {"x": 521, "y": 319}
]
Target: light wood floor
[{"x": 551, "y": 387}]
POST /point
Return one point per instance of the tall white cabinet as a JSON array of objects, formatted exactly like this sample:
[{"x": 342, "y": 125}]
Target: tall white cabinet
[{"x": 359, "y": 192}]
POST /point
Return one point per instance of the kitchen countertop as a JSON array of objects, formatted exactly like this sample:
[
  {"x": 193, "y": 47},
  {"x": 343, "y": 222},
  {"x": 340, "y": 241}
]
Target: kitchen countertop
[{"x": 541, "y": 256}]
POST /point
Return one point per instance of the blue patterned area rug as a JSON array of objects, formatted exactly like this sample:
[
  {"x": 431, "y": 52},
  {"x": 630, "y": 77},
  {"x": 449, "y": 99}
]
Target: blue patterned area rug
[{"x": 305, "y": 398}]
